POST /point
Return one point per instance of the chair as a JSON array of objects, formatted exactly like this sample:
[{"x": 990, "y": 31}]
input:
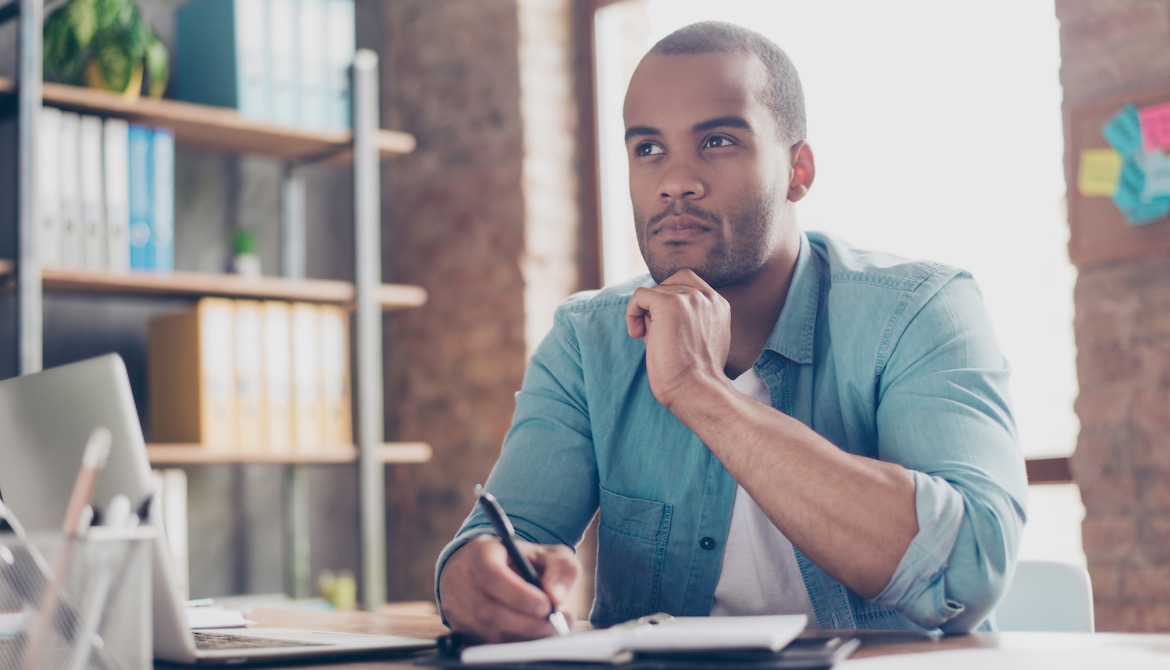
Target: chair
[{"x": 1047, "y": 596}]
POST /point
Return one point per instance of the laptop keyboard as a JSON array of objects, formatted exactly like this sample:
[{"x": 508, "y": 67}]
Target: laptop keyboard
[{"x": 205, "y": 640}]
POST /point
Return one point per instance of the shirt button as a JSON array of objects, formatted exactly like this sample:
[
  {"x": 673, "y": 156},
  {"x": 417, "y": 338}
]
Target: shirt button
[{"x": 707, "y": 543}]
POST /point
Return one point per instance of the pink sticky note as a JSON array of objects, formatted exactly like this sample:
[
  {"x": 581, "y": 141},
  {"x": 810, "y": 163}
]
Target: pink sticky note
[{"x": 1155, "y": 122}]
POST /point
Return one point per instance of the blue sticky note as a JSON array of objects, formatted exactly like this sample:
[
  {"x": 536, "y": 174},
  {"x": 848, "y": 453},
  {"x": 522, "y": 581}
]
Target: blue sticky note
[
  {"x": 1156, "y": 166},
  {"x": 1149, "y": 212},
  {"x": 1124, "y": 132},
  {"x": 1130, "y": 185}
]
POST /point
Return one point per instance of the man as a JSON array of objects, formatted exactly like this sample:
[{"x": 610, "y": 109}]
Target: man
[{"x": 776, "y": 422}]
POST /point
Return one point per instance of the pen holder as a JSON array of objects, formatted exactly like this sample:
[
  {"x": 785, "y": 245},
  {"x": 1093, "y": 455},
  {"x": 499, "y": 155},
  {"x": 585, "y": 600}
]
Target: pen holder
[{"x": 76, "y": 603}]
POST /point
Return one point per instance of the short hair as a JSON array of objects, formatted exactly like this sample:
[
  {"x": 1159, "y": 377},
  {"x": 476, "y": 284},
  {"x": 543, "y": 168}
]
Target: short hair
[{"x": 784, "y": 94}]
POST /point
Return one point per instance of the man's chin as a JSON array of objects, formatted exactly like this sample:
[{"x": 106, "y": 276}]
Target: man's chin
[
  {"x": 660, "y": 274},
  {"x": 714, "y": 278}
]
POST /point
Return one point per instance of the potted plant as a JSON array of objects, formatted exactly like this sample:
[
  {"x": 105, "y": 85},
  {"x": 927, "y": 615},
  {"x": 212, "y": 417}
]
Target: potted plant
[{"x": 104, "y": 44}]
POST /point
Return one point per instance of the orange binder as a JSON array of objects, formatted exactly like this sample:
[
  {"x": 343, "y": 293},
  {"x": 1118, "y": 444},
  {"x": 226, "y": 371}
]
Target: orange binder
[
  {"x": 335, "y": 384},
  {"x": 191, "y": 376},
  {"x": 307, "y": 407}
]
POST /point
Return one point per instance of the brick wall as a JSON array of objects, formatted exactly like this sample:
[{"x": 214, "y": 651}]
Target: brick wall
[
  {"x": 484, "y": 216},
  {"x": 1122, "y": 460}
]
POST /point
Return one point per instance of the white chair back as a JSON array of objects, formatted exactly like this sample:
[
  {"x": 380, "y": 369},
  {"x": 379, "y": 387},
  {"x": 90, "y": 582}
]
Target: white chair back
[{"x": 1047, "y": 596}]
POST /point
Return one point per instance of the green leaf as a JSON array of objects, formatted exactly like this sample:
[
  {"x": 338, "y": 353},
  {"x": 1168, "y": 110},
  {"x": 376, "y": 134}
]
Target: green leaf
[
  {"x": 82, "y": 16},
  {"x": 158, "y": 68},
  {"x": 62, "y": 55}
]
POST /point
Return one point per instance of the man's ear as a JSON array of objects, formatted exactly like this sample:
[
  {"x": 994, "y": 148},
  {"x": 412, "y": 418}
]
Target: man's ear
[{"x": 804, "y": 169}]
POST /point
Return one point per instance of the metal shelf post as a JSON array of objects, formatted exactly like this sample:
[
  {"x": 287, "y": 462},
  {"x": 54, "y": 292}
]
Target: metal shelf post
[
  {"x": 368, "y": 324},
  {"x": 28, "y": 267}
]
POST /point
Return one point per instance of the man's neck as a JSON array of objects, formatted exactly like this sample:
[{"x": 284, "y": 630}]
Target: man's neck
[{"x": 755, "y": 308}]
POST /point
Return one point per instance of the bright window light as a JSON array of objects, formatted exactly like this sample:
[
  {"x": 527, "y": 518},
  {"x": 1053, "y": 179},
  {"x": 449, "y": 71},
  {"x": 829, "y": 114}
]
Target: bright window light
[{"x": 937, "y": 133}]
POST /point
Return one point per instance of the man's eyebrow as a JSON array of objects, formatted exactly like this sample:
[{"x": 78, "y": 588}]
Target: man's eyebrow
[
  {"x": 641, "y": 131},
  {"x": 729, "y": 121}
]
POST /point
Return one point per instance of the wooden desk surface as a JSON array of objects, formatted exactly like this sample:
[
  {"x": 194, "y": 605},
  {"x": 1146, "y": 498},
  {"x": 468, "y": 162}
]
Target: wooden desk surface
[{"x": 428, "y": 625}]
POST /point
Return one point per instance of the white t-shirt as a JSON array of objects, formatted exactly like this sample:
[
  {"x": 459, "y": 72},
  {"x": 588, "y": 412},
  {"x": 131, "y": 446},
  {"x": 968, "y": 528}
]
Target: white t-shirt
[{"x": 759, "y": 574}]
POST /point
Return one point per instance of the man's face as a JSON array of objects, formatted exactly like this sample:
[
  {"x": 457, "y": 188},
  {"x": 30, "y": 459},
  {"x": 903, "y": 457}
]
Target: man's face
[{"x": 708, "y": 169}]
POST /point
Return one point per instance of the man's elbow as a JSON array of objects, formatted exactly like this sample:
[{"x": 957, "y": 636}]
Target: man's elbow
[{"x": 957, "y": 594}]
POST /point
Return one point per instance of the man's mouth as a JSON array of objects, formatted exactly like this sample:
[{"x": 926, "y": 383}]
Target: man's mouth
[{"x": 679, "y": 228}]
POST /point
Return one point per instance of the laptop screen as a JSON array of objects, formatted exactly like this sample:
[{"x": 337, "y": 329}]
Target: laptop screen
[{"x": 47, "y": 418}]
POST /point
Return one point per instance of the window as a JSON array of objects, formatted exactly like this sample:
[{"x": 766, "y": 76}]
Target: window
[{"x": 937, "y": 133}]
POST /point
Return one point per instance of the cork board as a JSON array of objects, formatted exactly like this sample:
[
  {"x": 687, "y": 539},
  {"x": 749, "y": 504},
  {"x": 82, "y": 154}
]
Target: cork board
[{"x": 1098, "y": 229}]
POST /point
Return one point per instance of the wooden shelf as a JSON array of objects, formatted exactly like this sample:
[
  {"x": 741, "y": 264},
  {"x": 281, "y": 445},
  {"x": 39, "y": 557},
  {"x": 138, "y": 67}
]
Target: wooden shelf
[
  {"x": 209, "y": 128},
  {"x": 195, "y": 284},
  {"x": 196, "y": 454}
]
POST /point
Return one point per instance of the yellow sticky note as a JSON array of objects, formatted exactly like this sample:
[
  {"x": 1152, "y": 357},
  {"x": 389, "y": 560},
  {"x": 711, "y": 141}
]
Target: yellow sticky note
[{"x": 1099, "y": 171}]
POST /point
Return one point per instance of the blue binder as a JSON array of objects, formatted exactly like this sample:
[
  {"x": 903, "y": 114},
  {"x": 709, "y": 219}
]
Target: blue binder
[{"x": 141, "y": 197}]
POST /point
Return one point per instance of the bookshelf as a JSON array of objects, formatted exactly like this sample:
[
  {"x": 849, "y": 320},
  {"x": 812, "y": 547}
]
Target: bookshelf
[
  {"x": 391, "y": 297},
  {"x": 219, "y": 129},
  {"x": 213, "y": 129}
]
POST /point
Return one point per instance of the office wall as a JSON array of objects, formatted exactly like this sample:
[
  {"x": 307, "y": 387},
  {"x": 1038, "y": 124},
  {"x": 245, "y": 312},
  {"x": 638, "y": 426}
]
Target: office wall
[
  {"x": 484, "y": 216},
  {"x": 1122, "y": 324}
]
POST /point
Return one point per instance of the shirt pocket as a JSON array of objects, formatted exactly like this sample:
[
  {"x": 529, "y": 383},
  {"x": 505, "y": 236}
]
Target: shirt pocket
[{"x": 631, "y": 537}]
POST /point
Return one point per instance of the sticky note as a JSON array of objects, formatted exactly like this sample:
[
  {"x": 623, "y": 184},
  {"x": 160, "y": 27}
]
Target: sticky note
[
  {"x": 1155, "y": 126},
  {"x": 1124, "y": 132},
  {"x": 1130, "y": 184},
  {"x": 1156, "y": 166},
  {"x": 1098, "y": 173},
  {"x": 1149, "y": 212}
]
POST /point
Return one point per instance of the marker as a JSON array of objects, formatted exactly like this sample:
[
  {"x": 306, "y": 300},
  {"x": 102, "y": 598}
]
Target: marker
[{"x": 495, "y": 513}]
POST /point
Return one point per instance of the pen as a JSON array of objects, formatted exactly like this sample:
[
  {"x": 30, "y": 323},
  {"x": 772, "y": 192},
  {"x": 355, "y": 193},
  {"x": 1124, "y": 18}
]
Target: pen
[
  {"x": 97, "y": 450},
  {"x": 78, "y": 515},
  {"x": 495, "y": 514}
]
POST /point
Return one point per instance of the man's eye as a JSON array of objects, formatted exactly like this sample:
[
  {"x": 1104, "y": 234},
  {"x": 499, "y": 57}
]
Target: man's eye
[
  {"x": 717, "y": 141},
  {"x": 647, "y": 149}
]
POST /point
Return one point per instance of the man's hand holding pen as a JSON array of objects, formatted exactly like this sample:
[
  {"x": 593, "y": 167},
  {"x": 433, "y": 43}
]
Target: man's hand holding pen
[{"x": 484, "y": 594}]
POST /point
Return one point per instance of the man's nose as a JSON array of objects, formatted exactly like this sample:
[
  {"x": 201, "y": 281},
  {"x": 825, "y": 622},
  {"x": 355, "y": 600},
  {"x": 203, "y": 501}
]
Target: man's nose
[{"x": 681, "y": 181}]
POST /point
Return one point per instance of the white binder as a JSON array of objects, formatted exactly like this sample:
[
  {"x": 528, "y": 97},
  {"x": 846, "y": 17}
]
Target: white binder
[
  {"x": 49, "y": 187},
  {"x": 282, "y": 41},
  {"x": 93, "y": 226},
  {"x": 72, "y": 242},
  {"x": 116, "y": 183}
]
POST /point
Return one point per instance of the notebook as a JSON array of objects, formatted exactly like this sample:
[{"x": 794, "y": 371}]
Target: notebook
[
  {"x": 621, "y": 643},
  {"x": 46, "y": 418}
]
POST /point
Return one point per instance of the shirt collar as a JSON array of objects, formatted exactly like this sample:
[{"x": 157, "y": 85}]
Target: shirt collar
[{"x": 794, "y": 333}]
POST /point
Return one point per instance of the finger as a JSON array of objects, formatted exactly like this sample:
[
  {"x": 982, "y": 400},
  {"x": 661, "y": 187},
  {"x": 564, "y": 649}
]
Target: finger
[
  {"x": 473, "y": 603},
  {"x": 498, "y": 582},
  {"x": 685, "y": 277},
  {"x": 499, "y": 623},
  {"x": 638, "y": 312},
  {"x": 559, "y": 569}
]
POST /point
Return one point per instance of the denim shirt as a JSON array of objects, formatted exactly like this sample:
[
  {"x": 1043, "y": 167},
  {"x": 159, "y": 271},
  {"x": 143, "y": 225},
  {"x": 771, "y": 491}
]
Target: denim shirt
[{"x": 885, "y": 358}]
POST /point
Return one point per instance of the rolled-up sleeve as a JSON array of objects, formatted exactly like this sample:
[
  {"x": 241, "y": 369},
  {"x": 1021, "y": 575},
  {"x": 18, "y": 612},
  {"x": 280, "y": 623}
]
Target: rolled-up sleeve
[
  {"x": 546, "y": 476},
  {"x": 944, "y": 414}
]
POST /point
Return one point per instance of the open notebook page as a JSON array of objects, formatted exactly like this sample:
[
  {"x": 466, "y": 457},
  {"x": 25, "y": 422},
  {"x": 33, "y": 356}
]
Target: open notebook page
[{"x": 678, "y": 634}]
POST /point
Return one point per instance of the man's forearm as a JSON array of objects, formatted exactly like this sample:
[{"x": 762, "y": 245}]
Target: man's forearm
[{"x": 853, "y": 516}]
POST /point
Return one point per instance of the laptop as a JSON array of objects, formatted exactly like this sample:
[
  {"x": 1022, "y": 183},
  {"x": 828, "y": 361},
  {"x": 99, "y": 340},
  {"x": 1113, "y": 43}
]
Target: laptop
[{"x": 45, "y": 420}]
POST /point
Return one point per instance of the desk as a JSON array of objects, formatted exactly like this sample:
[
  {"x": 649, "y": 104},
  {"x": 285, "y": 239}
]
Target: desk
[{"x": 428, "y": 625}]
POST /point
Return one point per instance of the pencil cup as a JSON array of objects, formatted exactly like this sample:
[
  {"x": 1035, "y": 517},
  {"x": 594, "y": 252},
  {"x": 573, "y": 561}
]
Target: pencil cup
[{"x": 76, "y": 603}]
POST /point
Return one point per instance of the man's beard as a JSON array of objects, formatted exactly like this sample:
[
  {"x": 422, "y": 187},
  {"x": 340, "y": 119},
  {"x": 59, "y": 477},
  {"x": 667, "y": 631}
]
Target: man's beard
[{"x": 725, "y": 265}]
